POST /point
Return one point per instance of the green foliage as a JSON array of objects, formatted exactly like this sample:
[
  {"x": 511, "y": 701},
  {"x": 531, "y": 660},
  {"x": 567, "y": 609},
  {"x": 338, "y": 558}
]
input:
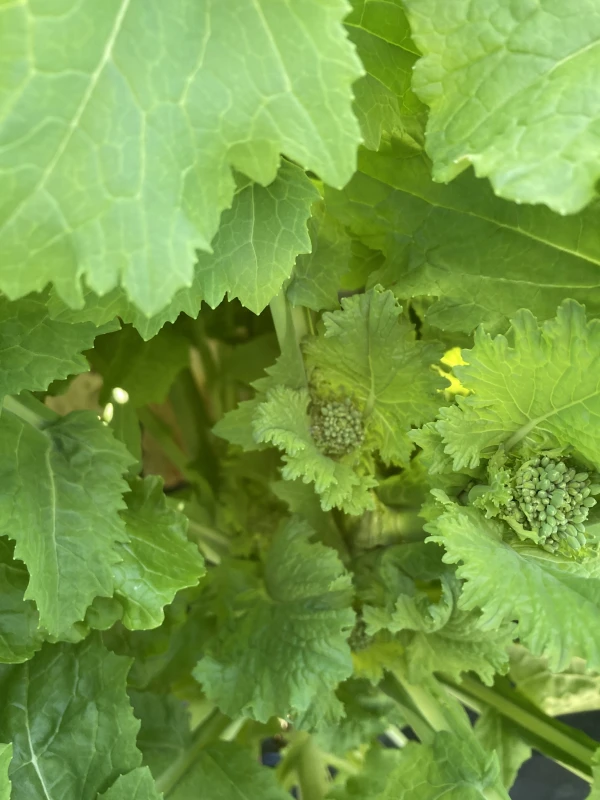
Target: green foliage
[{"x": 332, "y": 471}]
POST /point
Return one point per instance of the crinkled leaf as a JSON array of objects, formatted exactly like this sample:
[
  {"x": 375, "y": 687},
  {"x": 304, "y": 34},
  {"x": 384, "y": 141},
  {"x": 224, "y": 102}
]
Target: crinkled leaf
[
  {"x": 569, "y": 691},
  {"x": 20, "y": 637},
  {"x": 442, "y": 637},
  {"x": 288, "y": 648},
  {"x": 146, "y": 370},
  {"x": 6, "y": 751},
  {"x": 542, "y": 592},
  {"x": 513, "y": 90},
  {"x": 136, "y": 785},
  {"x": 497, "y": 735},
  {"x": 452, "y": 768},
  {"x": 36, "y": 350},
  {"x": 68, "y": 716},
  {"x": 62, "y": 489},
  {"x": 283, "y": 420},
  {"x": 152, "y": 105},
  {"x": 258, "y": 241},
  {"x": 370, "y": 353},
  {"x": 541, "y": 386},
  {"x": 383, "y": 99},
  {"x": 317, "y": 276},
  {"x": 483, "y": 258},
  {"x": 158, "y": 560}
]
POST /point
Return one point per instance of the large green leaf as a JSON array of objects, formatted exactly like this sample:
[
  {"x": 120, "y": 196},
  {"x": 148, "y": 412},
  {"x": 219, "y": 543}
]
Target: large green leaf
[
  {"x": 145, "y": 108},
  {"x": 158, "y": 560},
  {"x": 36, "y": 350},
  {"x": 483, "y": 258},
  {"x": 67, "y": 714},
  {"x": 514, "y": 91},
  {"x": 285, "y": 649},
  {"x": 383, "y": 99},
  {"x": 258, "y": 241},
  {"x": 544, "y": 593},
  {"x": 61, "y": 491},
  {"x": 541, "y": 386}
]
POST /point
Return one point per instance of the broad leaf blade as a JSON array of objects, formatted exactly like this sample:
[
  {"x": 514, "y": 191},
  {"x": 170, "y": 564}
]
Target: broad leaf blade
[
  {"x": 482, "y": 257},
  {"x": 157, "y": 561},
  {"x": 258, "y": 241},
  {"x": 288, "y": 650},
  {"x": 152, "y": 105},
  {"x": 6, "y": 751},
  {"x": 495, "y": 77},
  {"x": 68, "y": 716},
  {"x": 61, "y": 493}
]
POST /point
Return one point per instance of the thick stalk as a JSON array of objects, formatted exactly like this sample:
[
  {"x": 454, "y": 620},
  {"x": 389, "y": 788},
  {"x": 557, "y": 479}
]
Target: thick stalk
[
  {"x": 311, "y": 769},
  {"x": 290, "y": 328},
  {"x": 208, "y": 731},
  {"x": 571, "y": 747}
]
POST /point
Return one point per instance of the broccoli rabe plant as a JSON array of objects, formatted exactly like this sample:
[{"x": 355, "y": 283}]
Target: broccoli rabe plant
[{"x": 300, "y": 397}]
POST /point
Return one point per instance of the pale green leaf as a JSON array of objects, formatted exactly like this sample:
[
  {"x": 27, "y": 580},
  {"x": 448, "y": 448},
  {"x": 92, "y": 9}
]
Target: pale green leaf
[
  {"x": 20, "y": 637},
  {"x": 283, "y": 420},
  {"x": 158, "y": 560},
  {"x": 6, "y": 751},
  {"x": 151, "y": 106},
  {"x": 442, "y": 637},
  {"x": 452, "y": 768},
  {"x": 317, "y": 276},
  {"x": 286, "y": 648},
  {"x": 573, "y": 689},
  {"x": 36, "y": 350},
  {"x": 541, "y": 386},
  {"x": 135, "y": 785},
  {"x": 483, "y": 258},
  {"x": 146, "y": 370},
  {"x": 258, "y": 241},
  {"x": 514, "y": 91},
  {"x": 68, "y": 716},
  {"x": 544, "y": 593},
  {"x": 370, "y": 354},
  {"x": 383, "y": 99},
  {"x": 60, "y": 497},
  {"x": 498, "y": 735}
]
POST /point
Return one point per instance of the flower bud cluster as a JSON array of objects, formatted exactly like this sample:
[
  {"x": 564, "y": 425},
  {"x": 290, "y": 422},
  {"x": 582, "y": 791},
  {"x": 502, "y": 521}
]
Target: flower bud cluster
[
  {"x": 337, "y": 427},
  {"x": 554, "y": 500}
]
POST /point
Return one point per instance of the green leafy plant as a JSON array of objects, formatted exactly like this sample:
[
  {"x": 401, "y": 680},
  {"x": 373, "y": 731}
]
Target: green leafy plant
[{"x": 300, "y": 425}]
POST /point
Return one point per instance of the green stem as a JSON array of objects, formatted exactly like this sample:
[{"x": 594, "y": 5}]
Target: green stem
[
  {"x": 313, "y": 778},
  {"x": 571, "y": 747},
  {"x": 208, "y": 731},
  {"x": 290, "y": 328},
  {"x": 414, "y": 715},
  {"x": 29, "y": 410}
]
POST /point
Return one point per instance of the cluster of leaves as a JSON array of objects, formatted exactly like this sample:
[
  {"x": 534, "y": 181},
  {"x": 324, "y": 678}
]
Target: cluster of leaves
[{"x": 252, "y": 489}]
